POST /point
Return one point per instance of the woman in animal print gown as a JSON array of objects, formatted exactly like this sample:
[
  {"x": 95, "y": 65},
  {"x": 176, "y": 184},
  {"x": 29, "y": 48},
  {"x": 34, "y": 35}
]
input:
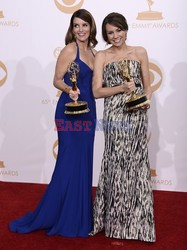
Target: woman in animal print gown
[{"x": 123, "y": 205}]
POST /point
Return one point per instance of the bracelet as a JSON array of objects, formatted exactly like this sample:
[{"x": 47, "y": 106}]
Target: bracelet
[{"x": 68, "y": 89}]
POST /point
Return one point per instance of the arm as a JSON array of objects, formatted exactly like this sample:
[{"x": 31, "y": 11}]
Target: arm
[
  {"x": 98, "y": 90},
  {"x": 143, "y": 58},
  {"x": 66, "y": 56}
]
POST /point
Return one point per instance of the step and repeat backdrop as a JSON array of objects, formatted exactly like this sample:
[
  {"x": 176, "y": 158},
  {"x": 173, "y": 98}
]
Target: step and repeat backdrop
[{"x": 31, "y": 36}]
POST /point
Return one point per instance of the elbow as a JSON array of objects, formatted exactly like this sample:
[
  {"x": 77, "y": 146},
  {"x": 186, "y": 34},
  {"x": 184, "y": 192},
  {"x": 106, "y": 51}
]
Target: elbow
[
  {"x": 96, "y": 94},
  {"x": 55, "y": 84}
]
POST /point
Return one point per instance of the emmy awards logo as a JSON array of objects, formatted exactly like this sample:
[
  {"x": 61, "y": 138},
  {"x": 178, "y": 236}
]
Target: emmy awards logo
[
  {"x": 57, "y": 52},
  {"x": 149, "y": 15},
  {"x": 68, "y": 6},
  {"x": 75, "y": 107},
  {"x": 59, "y": 92},
  {"x": 2, "y": 164},
  {"x": 1, "y": 14},
  {"x": 5, "y": 73},
  {"x": 55, "y": 146},
  {"x": 156, "y": 76},
  {"x": 136, "y": 101},
  {"x": 153, "y": 172}
]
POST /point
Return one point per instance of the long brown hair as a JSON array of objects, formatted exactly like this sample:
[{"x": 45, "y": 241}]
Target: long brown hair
[{"x": 87, "y": 17}]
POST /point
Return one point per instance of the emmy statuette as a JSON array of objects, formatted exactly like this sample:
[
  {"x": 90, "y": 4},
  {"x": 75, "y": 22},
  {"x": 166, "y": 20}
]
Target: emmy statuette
[
  {"x": 1, "y": 14},
  {"x": 136, "y": 101},
  {"x": 75, "y": 107},
  {"x": 150, "y": 14}
]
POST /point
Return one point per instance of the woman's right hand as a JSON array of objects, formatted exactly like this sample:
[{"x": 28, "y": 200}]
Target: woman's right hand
[
  {"x": 74, "y": 94},
  {"x": 128, "y": 87}
]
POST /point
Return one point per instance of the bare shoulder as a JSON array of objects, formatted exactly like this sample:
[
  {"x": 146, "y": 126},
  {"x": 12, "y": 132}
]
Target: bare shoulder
[
  {"x": 68, "y": 52},
  {"x": 101, "y": 54},
  {"x": 139, "y": 50},
  {"x": 94, "y": 51}
]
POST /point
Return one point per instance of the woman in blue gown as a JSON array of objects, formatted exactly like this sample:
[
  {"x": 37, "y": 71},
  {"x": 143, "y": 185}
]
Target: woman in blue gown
[{"x": 66, "y": 206}]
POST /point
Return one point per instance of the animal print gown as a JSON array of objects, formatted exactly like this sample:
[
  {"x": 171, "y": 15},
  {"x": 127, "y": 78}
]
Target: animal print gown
[{"x": 123, "y": 206}]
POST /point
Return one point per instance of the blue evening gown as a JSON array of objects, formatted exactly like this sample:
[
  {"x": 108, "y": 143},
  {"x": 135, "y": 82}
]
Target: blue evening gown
[{"x": 66, "y": 206}]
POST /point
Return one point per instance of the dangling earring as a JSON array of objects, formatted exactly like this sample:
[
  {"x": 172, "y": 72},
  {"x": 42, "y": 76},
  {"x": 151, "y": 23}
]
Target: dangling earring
[{"x": 125, "y": 36}]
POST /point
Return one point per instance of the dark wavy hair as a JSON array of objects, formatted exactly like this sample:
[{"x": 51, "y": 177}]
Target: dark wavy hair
[
  {"x": 115, "y": 19},
  {"x": 87, "y": 17}
]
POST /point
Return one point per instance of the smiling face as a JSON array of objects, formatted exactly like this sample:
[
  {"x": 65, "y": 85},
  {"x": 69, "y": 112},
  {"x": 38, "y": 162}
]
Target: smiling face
[
  {"x": 82, "y": 26},
  {"x": 81, "y": 29},
  {"x": 114, "y": 28},
  {"x": 115, "y": 35}
]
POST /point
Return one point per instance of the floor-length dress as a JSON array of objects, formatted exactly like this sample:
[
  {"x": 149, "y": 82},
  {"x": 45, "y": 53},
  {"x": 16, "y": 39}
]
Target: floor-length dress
[
  {"x": 66, "y": 206},
  {"x": 123, "y": 206}
]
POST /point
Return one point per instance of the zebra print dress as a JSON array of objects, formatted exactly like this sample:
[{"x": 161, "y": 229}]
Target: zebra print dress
[{"x": 123, "y": 206}]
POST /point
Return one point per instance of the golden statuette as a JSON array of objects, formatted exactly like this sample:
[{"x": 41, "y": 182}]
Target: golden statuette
[
  {"x": 150, "y": 14},
  {"x": 75, "y": 107},
  {"x": 136, "y": 101}
]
